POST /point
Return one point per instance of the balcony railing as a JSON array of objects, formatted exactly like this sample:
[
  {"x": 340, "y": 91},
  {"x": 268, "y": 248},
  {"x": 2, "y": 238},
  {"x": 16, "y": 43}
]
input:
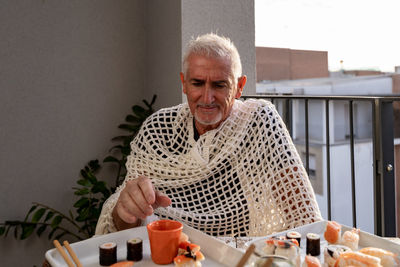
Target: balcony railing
[{"x": 382, "y": 135}]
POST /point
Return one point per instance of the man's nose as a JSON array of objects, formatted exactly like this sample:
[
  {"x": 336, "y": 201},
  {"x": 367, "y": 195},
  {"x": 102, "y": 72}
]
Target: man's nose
[{"x": 208, "y": 94}]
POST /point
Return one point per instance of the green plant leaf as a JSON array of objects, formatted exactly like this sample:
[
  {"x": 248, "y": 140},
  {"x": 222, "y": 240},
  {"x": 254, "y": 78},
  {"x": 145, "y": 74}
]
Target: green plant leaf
[
  {"x": 56, "y": 221},
  {"x": 2, "y": 230},
  {"x": 52, "y": 233},
  {"x": 49, "y": 215},
  {"x": 41, "y": 229},
  {"x": 16, "y": 232},
  {"x": 27, "y": 230},
  {"x": 97, "y": 188},
  {"x": 30, "y": 211},
  {"x": 111, "y": 159},
  {"x": 81, "y": 202},
  {"x": 138, "y": 111},
  {"x": 84, "y": 174},
  {"x": 83, "y": 215},
  {"x": 38, "y": 215},
  {"x": 84, "y": 182},
  {"x": 82, "y": 191},
  {"x": 133, "y": 119},
  {"x": 94, "y": 165}
]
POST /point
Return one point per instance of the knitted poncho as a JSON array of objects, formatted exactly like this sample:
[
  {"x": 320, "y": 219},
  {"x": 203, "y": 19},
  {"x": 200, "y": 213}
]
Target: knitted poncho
[{"x": 243, "y": 178}]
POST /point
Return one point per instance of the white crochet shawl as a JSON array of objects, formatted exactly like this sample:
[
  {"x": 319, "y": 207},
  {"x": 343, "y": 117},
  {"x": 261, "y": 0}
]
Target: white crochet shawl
[{"x": 243, "y": 178}]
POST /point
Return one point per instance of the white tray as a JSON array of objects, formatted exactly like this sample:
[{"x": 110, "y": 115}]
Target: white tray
[
  {"x": 366, "y": 239},
  {"x": 216, "y": 252}
]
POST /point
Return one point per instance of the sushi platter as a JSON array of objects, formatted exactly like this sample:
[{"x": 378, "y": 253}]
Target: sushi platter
[
  {"x": 216, "y": 252},
  {"x": 318, "y": 229}
]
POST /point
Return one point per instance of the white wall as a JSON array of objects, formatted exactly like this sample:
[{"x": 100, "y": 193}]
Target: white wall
[
  {"x": 69, "y": 73},
  {"x": 163, "y": 52}
]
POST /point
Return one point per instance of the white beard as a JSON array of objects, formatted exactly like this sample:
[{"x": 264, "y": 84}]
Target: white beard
[{"x": 216, "y": 119}]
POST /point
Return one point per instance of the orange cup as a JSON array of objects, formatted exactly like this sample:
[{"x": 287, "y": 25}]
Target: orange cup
[{"x": 164, "y": 240}]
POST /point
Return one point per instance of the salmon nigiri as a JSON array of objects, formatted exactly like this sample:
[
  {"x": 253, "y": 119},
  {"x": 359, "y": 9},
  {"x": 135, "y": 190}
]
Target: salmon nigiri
[
  {"x": 388, "y": 259},
  {"x": 333, "y": 232},
  {"x": 123, "y": 264},
  {"x": 311, "y": 261},
  {"x": 185, "y": 261},
  {"x": 357, "y": 259}
]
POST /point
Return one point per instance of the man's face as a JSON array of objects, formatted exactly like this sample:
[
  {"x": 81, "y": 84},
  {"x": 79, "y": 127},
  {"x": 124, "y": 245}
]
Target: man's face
[{"x": 211, "y": 90}]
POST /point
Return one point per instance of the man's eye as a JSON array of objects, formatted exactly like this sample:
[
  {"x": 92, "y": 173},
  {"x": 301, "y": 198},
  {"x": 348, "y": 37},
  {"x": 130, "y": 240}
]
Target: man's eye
[
  {"x": 197, "y": 84},
  {"x": 220, "y": 85}
]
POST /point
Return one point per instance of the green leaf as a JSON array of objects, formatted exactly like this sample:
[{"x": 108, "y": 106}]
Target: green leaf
[
  {"x": 153, "y": 100},
  {"x": 83, "y": 215},
  {"x": 84, "y": 182},
  {"x": 30, "y": 211},
  {"x": 84, "y": 174},
  {"x": 111, "y": 159},
  {"x": 133, "y": 119},
  {"x": 52, "y": 233},
  {"x": 56, "y": 221},
  {"x": 27, "y": 230},
  {"x": 94, "y": 165},
  {"x": 41, "y": 229},
  {"x": 38, "y": 215},
  {"x": 48, "y": 216},
  {"x": 16, "y": 232},
  {"x": 99, "y": 187},
  {"x": 81, "y": 202},
  {"x": 70, "y": 215},
  {"x": 82, "y": 191},
  {"x": 138, "y": 111},
  {"x": 120, "y": 138},
  {"x": 2, "y": 230}
]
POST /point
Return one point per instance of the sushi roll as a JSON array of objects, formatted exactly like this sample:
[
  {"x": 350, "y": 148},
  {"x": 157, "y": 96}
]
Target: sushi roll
[
  {"x": 333, "y": 232},
  {"x": 108, "y": 254},
  {"x": 350, "y": 239},
  {"x": 294, "y": 235},
  {"x": 354, "y": 258},
  {"x": 388, "y": 259},
  {"x": 189, "y": 261},
  {"x": 311, "y": 261},
  {"x": 313, "y": 246},
  {"x": 288, "y": 250},
  {"x": 134, "y": 249},
  {"x": 332, "y": 253}
]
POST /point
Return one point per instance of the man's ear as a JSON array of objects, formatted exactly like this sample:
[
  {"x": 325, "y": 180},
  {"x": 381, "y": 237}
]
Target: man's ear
[
  {"x": 241, "y": 83},
  {"x": 183, "y": 82}
]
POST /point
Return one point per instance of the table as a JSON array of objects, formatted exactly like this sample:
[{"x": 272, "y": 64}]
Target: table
[{"x": 239, "y": 242}]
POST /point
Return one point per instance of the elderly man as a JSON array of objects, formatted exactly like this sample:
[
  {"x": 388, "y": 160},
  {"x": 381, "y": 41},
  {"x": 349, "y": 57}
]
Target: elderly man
[{"x": 223, "y": 166}]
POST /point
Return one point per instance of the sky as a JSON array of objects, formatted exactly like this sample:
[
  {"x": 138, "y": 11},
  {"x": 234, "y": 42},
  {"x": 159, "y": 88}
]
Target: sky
[{"x": 364, "y": 34}]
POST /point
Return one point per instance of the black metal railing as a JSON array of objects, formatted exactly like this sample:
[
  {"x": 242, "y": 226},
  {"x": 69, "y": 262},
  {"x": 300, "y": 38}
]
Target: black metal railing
[{"x": 383, "y": 151}]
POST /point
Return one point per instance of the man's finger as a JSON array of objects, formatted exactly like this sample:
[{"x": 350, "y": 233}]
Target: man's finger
[
  {"x": 161, "y": 200},
  {"x": 138, "y": 203},
  {"x": 147, "y": 189}
]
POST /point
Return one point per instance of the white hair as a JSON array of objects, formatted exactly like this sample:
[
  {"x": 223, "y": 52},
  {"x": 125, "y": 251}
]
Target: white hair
[{"x": 212, "y": 45}]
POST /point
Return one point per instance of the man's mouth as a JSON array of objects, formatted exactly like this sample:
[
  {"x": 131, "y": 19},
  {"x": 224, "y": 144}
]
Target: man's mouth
[{"x": 207, "y": 108}]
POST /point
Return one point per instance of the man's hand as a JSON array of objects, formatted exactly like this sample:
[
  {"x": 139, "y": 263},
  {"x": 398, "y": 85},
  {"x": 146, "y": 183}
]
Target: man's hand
[{"x": 137, "y": 201}]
